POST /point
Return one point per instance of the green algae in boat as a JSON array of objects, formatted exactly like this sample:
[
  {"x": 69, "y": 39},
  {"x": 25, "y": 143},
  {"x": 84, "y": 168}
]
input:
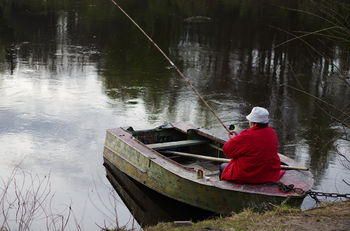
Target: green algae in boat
[{"x": 147, "y": 157}]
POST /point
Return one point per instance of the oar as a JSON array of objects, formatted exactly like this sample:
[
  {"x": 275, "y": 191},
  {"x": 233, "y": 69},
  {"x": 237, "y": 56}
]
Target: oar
[{"x": 285, "y": 167}]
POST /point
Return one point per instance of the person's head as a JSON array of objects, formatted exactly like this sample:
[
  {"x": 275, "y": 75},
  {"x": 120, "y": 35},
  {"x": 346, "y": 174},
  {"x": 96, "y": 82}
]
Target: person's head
[{"x": 259, "y": 117}]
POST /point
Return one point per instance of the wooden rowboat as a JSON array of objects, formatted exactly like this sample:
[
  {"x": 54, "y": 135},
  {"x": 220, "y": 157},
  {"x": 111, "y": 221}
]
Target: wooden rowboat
[{"x": 150, "y": 157}]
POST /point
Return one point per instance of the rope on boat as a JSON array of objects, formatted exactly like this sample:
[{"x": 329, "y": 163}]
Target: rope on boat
[{"x": 189, "y": 83}]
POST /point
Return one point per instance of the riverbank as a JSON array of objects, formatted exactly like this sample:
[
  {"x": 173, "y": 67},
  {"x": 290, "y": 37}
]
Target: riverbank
[{"x": 327, "y": 216}]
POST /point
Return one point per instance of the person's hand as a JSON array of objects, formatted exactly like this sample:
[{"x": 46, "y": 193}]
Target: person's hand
[{"x": 231, "y": 134}]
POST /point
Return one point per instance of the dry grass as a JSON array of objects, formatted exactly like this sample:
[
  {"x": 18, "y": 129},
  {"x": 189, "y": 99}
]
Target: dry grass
[
  {"x": 328, "y": 216},
  {"x": 26, "y": 202}
]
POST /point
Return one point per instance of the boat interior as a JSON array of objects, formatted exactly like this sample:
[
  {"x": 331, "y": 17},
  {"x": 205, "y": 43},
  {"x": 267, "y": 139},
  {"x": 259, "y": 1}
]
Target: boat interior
[{"x": 184, "y": 148}]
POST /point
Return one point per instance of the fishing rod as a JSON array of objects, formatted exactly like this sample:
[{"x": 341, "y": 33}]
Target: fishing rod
[{"x": 174, "y": 66}]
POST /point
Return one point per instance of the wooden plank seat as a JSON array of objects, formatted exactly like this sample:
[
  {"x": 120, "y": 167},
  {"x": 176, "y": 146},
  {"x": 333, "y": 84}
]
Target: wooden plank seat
[{"x": 176, "y": 144}]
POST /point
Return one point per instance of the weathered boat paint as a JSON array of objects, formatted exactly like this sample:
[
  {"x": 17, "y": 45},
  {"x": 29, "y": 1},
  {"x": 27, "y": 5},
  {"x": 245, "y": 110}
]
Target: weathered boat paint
[
  {"x": 176, "y": 181},
  {"x": 148, "y": 206}
]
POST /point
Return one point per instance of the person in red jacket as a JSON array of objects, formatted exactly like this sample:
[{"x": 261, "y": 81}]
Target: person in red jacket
[{"x": 253, "y": 152}]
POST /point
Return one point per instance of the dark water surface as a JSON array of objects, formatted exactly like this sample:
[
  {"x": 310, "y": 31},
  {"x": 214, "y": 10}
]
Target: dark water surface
[{"x": 70, "y": 70}]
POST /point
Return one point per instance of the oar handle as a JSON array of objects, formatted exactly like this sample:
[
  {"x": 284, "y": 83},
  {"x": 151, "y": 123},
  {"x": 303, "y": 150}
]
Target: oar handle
[{"x": 284, "y": 167}]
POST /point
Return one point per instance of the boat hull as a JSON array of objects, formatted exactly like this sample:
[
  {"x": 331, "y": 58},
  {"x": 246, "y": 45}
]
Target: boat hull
[{"x": 147, "y": 206}]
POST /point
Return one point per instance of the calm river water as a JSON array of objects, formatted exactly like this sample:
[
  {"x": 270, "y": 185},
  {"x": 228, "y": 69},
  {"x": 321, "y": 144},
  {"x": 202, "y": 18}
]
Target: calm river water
[{"x": 70, "y": 70}]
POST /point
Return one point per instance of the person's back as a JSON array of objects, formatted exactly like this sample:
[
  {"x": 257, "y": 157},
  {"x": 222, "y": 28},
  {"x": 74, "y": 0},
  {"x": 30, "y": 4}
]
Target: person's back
[{"x": 253, "y": 154}]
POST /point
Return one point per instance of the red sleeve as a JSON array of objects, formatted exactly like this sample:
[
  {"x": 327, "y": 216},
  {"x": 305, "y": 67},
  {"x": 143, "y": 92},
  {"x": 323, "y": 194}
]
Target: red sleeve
[{"x": 233, "y": 148}]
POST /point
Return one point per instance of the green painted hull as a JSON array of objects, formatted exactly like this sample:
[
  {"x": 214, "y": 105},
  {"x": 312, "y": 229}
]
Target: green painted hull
[{"x": 147, "y": 206}]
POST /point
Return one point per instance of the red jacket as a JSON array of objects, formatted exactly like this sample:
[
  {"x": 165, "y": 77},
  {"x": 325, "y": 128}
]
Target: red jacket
[{"x": 254, "y": 158}]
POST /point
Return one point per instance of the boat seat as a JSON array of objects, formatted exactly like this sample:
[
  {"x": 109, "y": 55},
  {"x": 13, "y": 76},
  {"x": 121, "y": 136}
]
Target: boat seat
[{"x": 176, "y": 144}]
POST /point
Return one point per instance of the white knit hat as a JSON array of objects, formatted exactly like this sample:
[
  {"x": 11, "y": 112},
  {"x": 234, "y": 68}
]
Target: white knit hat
[{"x": 258, "y": 115}]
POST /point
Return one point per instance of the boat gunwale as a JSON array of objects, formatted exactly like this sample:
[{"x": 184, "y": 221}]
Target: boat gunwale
[{"x": 152, "y": 151}]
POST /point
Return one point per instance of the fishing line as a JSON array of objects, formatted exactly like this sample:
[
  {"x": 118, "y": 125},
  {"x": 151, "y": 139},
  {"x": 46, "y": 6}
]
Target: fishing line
[{"x": 189, "y": 83}]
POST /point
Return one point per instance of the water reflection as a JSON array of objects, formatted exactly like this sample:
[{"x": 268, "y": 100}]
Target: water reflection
[
  {"x": 71, "y": 69},
  {"x": 147, "y": 206}
]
